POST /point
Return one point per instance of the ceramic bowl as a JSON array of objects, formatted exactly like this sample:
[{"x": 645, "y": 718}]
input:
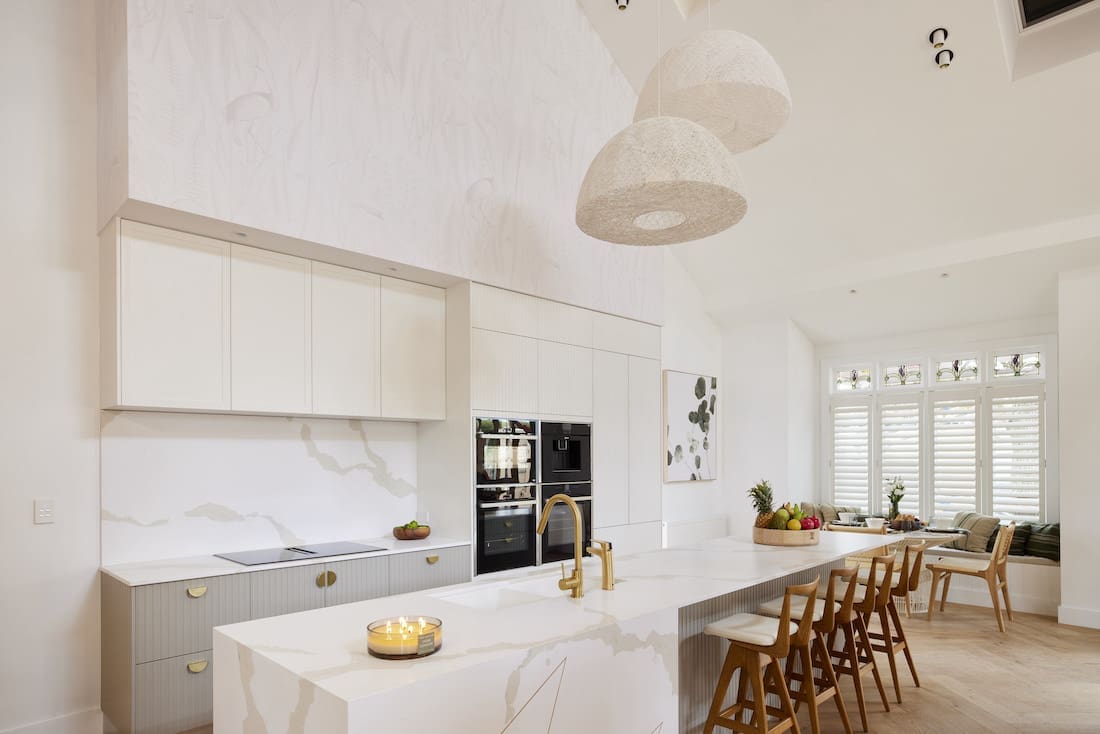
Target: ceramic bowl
[
  {"x": 875, "y": 522},
  {"x": 847, "y": 517}
]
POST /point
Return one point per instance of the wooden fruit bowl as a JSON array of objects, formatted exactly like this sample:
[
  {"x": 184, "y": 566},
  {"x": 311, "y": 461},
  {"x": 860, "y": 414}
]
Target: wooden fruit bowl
[
  {"x": 418, "y": 533},
  {"x": 768, "y": 536}
]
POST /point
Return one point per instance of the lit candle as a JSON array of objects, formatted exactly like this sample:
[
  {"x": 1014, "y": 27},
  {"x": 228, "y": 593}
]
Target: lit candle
[{"x": 402, "y": 638}]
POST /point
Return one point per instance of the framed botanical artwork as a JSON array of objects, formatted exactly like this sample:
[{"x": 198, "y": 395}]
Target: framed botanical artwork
[{"x": 691, "y": 427}]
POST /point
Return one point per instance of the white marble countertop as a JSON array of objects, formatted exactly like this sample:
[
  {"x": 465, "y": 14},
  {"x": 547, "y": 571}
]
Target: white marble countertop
[
  {"x": 194, "y": 567},
  {"x": 497, "y": 616}
]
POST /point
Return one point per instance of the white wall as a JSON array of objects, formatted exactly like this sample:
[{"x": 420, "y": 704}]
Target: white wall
[
  {"x": 692, "y": 342},
  {"x": 49, "y": 440},
  {"x": 1078, "y": 354},
  {"x": 176, "y": 484},
  {"x": 451, "y": 136},
  {"x": 771, "y": 414}
]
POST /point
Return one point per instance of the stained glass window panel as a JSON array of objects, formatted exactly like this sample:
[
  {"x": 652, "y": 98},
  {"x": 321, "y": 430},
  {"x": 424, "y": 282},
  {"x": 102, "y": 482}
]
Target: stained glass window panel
[
  {"x": 902, "y": 374},
  {"x": 957, "y": 370},
  {"x": 1016, "y": 365},
  {"x": 856, "y": 379}
]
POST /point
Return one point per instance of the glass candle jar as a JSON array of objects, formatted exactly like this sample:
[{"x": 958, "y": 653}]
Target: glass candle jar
[{"x": 402, "y": 638}]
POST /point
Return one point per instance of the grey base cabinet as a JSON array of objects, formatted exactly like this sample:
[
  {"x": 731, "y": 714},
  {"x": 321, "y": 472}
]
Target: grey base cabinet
[{"x": 157, "y": 667}]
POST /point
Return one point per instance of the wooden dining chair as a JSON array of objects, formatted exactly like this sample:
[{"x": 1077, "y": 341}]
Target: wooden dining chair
[
  {"x": 889, "y": 636},
  {"x": 994, "y": 570}
]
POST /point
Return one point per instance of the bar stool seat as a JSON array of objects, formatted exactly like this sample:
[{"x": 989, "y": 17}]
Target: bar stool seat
[
  {"x": 860, "y": 594},
  {"x": 751, "y": 628},
  {"x": 773, "y": 607},
  {"x": 864, "y": 573}
]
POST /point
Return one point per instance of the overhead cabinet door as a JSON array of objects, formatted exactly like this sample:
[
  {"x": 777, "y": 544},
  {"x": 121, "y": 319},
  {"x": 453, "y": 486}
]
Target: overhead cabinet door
[
  {"x": 270, "y": 306},
  {"x": 645, "y": 440},
  {"x": 346, "y": 341},
  {"x": 172, "y": 324},
  {"x": 414, "y": 365},
  {"x": 504, "y": 373},
  {"x": 565, "y": 379}
]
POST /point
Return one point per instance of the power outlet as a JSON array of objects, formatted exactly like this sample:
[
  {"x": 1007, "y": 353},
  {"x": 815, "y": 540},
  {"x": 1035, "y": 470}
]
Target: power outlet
[{"x": 43, "y": 512}]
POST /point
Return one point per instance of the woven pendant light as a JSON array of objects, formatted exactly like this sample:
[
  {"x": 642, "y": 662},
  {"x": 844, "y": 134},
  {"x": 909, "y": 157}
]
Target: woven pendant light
[
  {"x": 658, "y": 182},
  {"x": 726, "y": 82}
]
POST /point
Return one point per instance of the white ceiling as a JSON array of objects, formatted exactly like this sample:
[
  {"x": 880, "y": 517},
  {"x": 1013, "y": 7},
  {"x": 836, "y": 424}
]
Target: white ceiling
[{"x": 892, "y": 170}]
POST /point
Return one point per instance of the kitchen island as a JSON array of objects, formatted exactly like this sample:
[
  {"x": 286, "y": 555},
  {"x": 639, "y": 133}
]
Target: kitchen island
[{"x": 518, "y": 655}]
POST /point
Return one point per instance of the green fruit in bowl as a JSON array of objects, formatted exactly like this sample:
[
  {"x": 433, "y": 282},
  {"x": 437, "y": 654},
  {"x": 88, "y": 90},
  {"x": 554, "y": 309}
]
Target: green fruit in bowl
[
  {"x": 782, "y": 517},
  {"x": 411, "y": 525}
]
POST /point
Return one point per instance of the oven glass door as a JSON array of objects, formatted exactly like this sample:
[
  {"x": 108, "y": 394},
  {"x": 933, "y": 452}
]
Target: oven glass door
[
  {"x": 504, "y": 458},
  {"x": 557, "y": 541},
  {"x": 505, "y": 535}
]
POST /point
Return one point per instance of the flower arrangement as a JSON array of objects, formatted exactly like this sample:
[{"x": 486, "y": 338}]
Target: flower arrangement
[{"x": 896, "y": 487}]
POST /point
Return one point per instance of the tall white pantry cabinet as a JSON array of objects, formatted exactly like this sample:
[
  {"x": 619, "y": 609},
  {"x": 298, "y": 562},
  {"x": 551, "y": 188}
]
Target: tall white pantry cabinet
[{"x": 195, "y": 324}]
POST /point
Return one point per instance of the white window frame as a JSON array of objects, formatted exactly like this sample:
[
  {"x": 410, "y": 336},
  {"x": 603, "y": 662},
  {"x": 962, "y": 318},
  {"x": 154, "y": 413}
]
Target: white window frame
[{"x": 981, "y": 389}]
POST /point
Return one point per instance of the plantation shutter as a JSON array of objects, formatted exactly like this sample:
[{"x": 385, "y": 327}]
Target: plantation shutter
[
  {"x": 852, "y": 455},
  {"x": 1016, "y": 453},
  {"x": 954, "y": 455},
  {"x": 899, "y": 436}
]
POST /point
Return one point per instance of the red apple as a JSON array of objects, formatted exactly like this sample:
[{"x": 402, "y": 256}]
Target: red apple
[{"x": 807, "y": 523}]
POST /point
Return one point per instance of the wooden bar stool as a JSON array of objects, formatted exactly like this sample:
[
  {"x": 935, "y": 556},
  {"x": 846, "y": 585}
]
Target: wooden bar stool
[
  {"x": 856, "y": 657},
  {"x": 757, "y": 643},
  {"x": 813, "y": 689},
  {"x": 994, "y": 571},
  {"x": 890, "y": 637}
]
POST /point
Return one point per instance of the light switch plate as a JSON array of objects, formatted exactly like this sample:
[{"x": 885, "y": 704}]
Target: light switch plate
[{"x": 43, "y": 512}]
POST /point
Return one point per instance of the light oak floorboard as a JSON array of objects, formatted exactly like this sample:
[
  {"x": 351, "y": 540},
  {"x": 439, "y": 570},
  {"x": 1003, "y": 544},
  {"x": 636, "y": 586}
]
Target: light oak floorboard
[{"x": 1040, "y": 676}]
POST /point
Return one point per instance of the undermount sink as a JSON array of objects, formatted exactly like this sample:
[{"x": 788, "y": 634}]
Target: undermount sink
[{"x": 505, "y": 595}]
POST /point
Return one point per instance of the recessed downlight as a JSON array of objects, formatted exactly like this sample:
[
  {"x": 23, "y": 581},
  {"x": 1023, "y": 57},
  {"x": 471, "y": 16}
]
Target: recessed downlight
[
  {"x": 852, "y": 291},
  {"x": 242, "y": 235},
  {"x": 392, "y": 269},
  {"x": 945, "y": 275}
]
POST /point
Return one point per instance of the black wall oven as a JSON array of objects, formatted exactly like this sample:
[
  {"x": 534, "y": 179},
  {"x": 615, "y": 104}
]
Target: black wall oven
[
  {"x": 506, "y": 535},
  {"x": 566, "y": 452},
  {"x": 557, "y": 541},
  {"x": 504, "y": 452}
]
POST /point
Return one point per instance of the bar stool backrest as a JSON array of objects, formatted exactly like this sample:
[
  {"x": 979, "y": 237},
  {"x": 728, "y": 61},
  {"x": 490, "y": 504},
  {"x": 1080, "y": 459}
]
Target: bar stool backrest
[
  {"x": 999, "y": 557},
  {"x": 911, "y": 568},
  {"x": 886, "y": 564},
  {"x": 782, "y": 646},
  {"x": 837, "y": 577}
]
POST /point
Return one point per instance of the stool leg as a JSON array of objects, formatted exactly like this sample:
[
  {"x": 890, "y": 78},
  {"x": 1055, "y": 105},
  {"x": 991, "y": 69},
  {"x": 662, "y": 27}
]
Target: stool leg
[
  {"x": 784, "y": 696},
  {"x": 809, "y": 688},
  {"x": 865, "y": 642},
  {"x": 904, "y": 643},
  {"x": 759, "y": 693},
  {"x": 853, "y": 665},
  {"x": 888, "y": 643},
  {"x": 733, "y": 658},
  {"x": 830, "y": 676}
]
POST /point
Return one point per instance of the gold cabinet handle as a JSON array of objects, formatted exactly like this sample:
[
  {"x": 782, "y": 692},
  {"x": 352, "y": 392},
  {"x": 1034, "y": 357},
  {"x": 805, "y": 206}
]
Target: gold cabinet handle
[
  {"x": 432, "y": 560},
  {"x": 196, "y": 591},
  {"x": 197, "y": 667},
  {"x": 326, "y": 578}
]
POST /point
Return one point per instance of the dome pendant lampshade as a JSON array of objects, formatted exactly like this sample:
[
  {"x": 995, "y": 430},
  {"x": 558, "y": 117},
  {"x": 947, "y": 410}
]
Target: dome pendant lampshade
[
  {"x": 726, "y": 82},
  {"x": 658, "y": 182}
]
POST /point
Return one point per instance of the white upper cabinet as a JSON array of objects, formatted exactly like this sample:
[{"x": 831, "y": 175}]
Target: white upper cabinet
[
  {"x": 565, "y": 379},
  {"x": 346, "y": 341},
  {"x": 616, "y": 334},
  {"x": 270, "y": 307},
  {"x": 414, "y": 364},
  {"x": 504, "y": 374},
  {"x": 610, "y": 438},
  {"x": 558, "y": 322},
  {"x": 645, "y": 440},
  {"x": 496, "y": 309},
  {"x": 166, "y": 319}
]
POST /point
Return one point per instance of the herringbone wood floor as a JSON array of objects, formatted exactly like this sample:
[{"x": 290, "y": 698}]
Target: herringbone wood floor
[{"x": 1040, "y": 677}]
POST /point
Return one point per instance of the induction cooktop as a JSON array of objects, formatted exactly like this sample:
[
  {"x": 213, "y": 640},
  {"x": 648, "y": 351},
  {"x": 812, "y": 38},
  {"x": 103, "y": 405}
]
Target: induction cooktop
[{"x": 297, "y": 553}]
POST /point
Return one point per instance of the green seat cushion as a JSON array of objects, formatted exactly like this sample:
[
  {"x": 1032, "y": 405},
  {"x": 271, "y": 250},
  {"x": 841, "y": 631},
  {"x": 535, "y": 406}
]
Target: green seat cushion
[
  {"x": 1018, "y": 547},
  {"x": 981, "y": 528},
  {"x": 1046, "y": 542}
]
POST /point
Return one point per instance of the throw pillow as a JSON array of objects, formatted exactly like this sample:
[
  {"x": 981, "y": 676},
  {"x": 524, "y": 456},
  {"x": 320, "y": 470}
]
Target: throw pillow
[
  {"x": 1045, "y": 542},
  {"x": 1018, "y": 546},
  {"x": 981, "y": 527}
]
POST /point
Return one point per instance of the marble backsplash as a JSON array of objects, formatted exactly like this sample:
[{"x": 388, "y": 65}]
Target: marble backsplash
[{"x": 176, "y": 484}]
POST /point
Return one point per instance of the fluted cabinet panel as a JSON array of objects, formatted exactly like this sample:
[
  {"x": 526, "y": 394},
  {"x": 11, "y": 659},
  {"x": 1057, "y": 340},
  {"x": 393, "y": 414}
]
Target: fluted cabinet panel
[
  {"x": 504, "y": 373},
  {"x": 174, "y": 695},
  {"x": 417, "y": 571},
  {"x": 177, "y": 618},
  {"x": 286, "y": 590},
  {"x": 565, "y": 379},
  {"x": 356, "y": 580}
]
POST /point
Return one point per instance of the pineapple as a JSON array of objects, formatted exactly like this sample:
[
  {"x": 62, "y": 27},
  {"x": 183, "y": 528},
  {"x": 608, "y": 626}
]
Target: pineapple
[{"x": 761, "y": 495}]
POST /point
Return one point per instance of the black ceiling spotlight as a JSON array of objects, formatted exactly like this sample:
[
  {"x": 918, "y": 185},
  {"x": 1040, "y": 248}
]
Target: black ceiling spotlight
[
  {"x": 938, "y": 37},
  {"x": 944, "y": 58},
  {"x": 621, "y": 4}
]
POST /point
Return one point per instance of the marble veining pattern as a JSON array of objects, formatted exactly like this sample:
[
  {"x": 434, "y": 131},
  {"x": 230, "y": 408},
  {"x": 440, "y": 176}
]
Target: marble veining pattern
[
  {"x": 447, "y": 135},
  {"x": 185, "y": 484}
]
